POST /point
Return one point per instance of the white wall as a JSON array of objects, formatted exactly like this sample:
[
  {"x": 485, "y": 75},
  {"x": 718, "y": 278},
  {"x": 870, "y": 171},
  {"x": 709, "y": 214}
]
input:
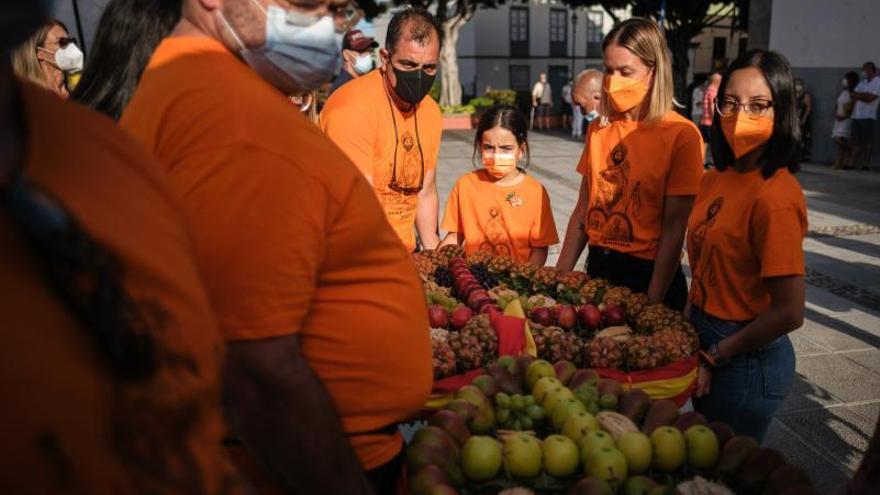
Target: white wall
[{"x": 826, "y": 33}]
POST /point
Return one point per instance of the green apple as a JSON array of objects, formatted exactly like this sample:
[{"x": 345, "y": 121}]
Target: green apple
[
  {"x": 563, "y": 410},
  {"x": 702, "y": 446},
  {"x": 669, "y": 448},
  {"x": 481, "y": 458},
  {"x": 561, "y": 457},
  {"x": 544, "y": 385},
  {"x": 537, "y": 370},
  {"x": 578, "y": 424},
  {"x": 606, "y": 463},
  {"x": 595, "y": 439},
  {"x": 522, "y": 455},
  {"x": 636, "y": 448},
  {"x": 554, "y": 396}
]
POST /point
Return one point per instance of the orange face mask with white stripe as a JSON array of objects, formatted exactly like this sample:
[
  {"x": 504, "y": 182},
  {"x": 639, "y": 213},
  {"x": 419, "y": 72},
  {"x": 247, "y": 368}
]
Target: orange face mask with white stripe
[{"x": 499, "y": 165}]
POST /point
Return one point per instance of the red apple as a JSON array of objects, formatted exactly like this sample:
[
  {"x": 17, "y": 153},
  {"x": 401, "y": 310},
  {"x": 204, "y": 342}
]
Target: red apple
[
  {"x": 589, "y": 316},
  {"x": 490, "y": 309},
  {"x": 457, "y": 262},
  {"x": 481, "y": 303},
  {"x": 542, "y": 316},
  {"x": 438, "y": 316},
  {"x": 460, "y": 316},
  {"x": 459, "y": 271},
  {"x": 566, "y": 316},
  {"x": 613, "y": 315}
]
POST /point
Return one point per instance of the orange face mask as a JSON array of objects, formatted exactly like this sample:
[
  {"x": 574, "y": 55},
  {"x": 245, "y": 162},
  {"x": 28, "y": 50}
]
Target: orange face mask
[
  {"x": 744, "y": 133},
  {"x": 624, "y": 93},
  {"x": 498, "y": 165}
]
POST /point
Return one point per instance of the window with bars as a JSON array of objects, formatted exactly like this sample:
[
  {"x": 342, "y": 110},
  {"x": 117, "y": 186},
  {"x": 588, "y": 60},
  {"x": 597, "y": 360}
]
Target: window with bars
[
  {"x": 595, "y": 20},
  {"x": 520, "y": 77},
  {"x": 519, "y": 31},
  {"x": 558, "y": 32}
]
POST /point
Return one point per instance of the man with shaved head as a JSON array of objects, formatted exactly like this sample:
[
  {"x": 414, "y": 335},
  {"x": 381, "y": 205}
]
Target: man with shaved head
[{"x": 585, "y": 95}]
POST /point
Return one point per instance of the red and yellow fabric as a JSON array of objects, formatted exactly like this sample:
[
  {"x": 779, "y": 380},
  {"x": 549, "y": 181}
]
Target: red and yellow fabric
[{"x": 675, "y": 381}]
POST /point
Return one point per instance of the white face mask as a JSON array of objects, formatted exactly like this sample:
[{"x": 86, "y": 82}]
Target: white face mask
[
  {"x": 363, "y": 63},
  {"x": 844, "y": 84},
  {"x": 68, "y": 59},
  {"x": 300, "y": 53}
]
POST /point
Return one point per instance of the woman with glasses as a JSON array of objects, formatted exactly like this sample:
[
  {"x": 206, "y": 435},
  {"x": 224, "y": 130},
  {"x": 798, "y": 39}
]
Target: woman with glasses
[
  {"x": 48, "y": 58},
  {"x": 641, "y": 169},
  {"x": 745, "y": 238}
]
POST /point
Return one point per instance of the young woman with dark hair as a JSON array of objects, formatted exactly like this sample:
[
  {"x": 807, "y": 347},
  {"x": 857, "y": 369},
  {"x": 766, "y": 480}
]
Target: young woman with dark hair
[
  {"x": 841, "y": 132},
  {"x": 498, "y": 208},
  {"x": 745, "y": 238},
  {"x": 127, "y": 34}
]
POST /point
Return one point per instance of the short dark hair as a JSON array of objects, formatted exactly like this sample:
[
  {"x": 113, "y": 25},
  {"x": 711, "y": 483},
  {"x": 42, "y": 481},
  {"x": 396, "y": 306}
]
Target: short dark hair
[
  {"x": 852, "y": 80},
  {"x": 870, "y": 65},
  {"x": 419, "y": 22},
  {"x": 507, "y": 117},
  {"x": 782, "y": 148}
]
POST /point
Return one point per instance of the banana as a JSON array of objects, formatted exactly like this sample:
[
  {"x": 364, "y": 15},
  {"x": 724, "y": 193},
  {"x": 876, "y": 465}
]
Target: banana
[
  {"x": 615, "y": 423},
  {"x": 620, "y": 333}
]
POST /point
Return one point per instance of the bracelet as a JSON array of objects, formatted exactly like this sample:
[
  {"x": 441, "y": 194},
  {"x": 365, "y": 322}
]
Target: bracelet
[{"x": 712, "y": 356}]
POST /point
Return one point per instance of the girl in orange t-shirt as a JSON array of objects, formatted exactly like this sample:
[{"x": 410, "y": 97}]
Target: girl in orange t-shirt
[
  {"x": 641, "y": 169},
  {"x": 745, "y": 238},
  {"x": 499, "y": 208}
]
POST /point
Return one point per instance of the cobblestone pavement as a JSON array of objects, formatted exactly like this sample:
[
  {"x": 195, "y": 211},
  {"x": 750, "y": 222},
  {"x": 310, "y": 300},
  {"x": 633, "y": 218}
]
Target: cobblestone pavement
[{"x": 829, "y": 417}]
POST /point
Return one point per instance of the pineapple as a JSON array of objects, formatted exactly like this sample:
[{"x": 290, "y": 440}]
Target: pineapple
[
  {"x": 569, "y": 285},
  {"x": 449, "y": 252},
  {"x": 634, "y": 304},
  {"x": 425, "y": 265},
  {"x": 521, "y": 277},
  {"x": 616, "y": 295},
  {"x": 591, "y": 292},
  {"x": 500, "y": 265},
  {"x": 442, "y": 356},
  {"x": 543, "y": 337},
  {"x": 467, "y": 349},
  {"x": 677, "y": 344},
  {"x": 480, "y": 328},
  {"x": 604, "y": 352},
  {"x": 644, "y": 352},
  {"x": 565, "y": 346},
  {"x": 656, "y": 317},
  {"x": 544, "y": 281},
  {"x": 480, "y": 257}
]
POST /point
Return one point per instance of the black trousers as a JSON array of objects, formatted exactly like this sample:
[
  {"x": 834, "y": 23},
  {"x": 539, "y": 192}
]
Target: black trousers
[
  {"x": 635, "y": 273},
  {"x": 386, "y": 477}
]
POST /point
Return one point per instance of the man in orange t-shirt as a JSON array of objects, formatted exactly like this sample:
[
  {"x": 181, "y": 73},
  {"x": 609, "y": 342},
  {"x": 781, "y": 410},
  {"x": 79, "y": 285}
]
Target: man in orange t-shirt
[
  {"x": 110, "y": 363},
  {"x": 388, "y": 126},
  {"x": 305, "y": 275}
]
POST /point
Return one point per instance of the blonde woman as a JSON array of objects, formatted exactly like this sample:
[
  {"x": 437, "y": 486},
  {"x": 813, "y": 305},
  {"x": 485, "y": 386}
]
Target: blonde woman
[
  {"x": 641, "y": 169},
  {"x": 47, "y": 57}
]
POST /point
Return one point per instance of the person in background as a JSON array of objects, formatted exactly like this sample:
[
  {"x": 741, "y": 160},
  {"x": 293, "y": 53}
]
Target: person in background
[
  {"x": 745, "y": 244},
  {"x": 111, "y": 355},
  {"x": 842, "y": 128},
  {"x": 125, "y": 38},
  {"x": 357, "y": 57},
  {"x": 566, "y": 104},
  {"x": 542, "y": 102},
  {"x": 697, "y": 101},
  {"x": 864, "y": 116},
  {"x": 48, "y": 58},
  {"x": 304, "y": 273},
  {"x": 641, "y": 169},
  {"x": 386, "y": 123},
  {"x": 805, "y": 111},
  {"x": 587, "y": 96},
  {"x": 499, "y": 208},
  {"x": 709, "y": 96}
]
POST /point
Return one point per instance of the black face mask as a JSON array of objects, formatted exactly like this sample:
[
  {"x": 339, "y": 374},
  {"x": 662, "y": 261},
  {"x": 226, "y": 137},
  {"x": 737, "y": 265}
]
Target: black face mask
[{"x": 412, "y": 85}]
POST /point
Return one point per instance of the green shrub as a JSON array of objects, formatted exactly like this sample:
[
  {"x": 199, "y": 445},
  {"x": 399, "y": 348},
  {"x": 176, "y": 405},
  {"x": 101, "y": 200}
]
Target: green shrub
[
  {"x": 502, "y": 96},
  {"x": 482, "y": 101},
  {"x": 435, "y": 91},
  {"x": 468, "y": 109}
]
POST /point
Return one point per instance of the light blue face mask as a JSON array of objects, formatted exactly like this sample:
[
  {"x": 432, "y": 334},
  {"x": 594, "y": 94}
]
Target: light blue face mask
[
  {"x": 301, "y": 52},
  {"x": 363, "y": 63},
  {"x": 591, "y": 116}
]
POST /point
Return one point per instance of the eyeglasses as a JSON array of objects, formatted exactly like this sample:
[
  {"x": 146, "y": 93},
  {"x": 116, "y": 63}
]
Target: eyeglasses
[
  {"x": 753, "y": 108},
  {"x": 394, "y": 185}
]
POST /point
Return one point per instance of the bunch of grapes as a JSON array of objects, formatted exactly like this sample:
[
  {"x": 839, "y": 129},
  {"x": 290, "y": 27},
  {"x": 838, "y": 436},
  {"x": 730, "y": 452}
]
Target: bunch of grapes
[
  {"x": 518, "y": 412},
  {"x": 486, "y": 278},
  {"x": 589, "y": 395},
  {"x": 443, "y": 276}
]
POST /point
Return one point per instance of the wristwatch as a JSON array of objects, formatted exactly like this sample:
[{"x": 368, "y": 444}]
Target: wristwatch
[{"x": 713, "y": 357}]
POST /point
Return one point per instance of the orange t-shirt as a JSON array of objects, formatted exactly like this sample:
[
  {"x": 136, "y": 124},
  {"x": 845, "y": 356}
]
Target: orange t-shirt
[
  {"x": 70, "y": 425},
  {"x": 288, "y": 234},
  {"x": 507, "y": 220},
  {"x": 743, "y": 229},
  {"x": 631, "y": 168},
  {"x": 360, "y": 118}
]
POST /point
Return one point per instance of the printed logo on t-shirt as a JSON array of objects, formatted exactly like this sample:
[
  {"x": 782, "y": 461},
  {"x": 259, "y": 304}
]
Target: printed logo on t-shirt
[
  {"x": 704, "y": 268},
  {"x": 616, "y": 201},
  {"x": 497, "y": 234}
]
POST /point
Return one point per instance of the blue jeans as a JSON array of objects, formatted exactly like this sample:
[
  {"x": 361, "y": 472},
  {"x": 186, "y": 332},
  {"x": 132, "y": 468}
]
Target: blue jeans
[{"x": 747, "y": 391}]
